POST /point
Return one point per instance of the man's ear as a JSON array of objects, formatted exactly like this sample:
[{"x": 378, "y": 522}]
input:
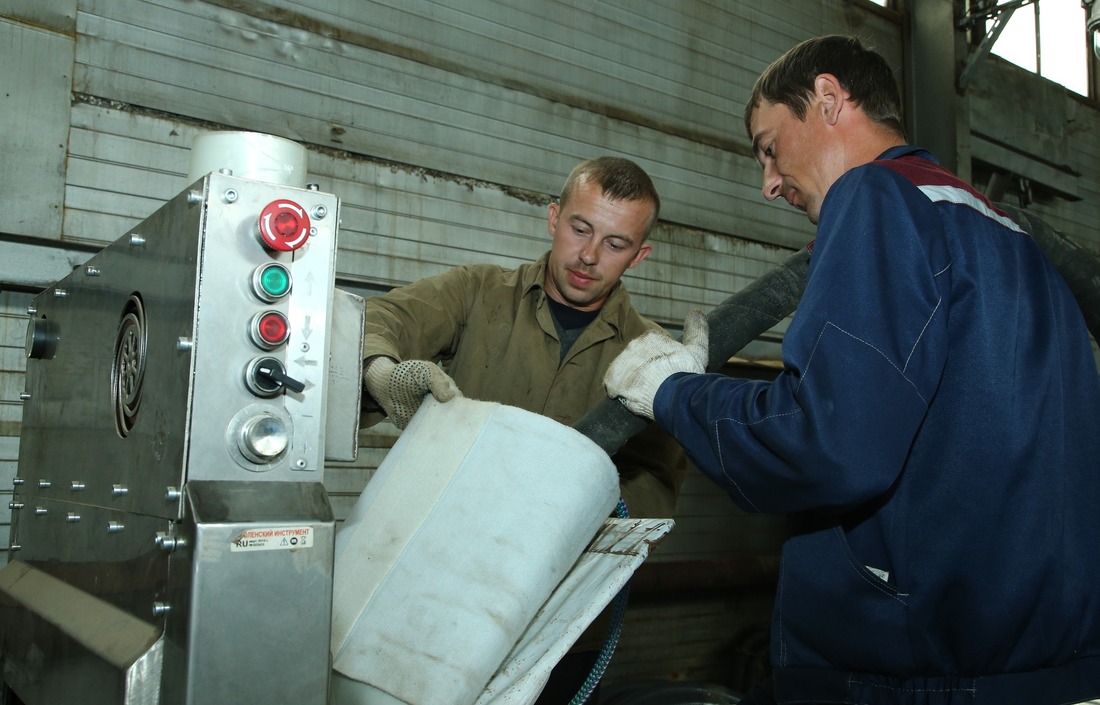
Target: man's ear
[
  {"x": 552, "y": 218},
  {"x": 643, "y": 252},
  {"x": 832, "y": 97}
]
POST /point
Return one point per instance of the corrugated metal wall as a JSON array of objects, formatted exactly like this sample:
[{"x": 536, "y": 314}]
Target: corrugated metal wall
[{"x": 445, "y": 128}]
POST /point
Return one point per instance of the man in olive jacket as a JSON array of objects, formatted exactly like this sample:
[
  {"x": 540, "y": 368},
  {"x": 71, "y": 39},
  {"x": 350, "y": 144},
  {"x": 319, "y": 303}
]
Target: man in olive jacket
[{"x": 538, "y": 337}]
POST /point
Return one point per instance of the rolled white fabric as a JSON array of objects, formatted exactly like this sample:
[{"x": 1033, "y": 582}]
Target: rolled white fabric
[
  {"x": 476, "y": 514},
  {"x": 249, "y": 155}
]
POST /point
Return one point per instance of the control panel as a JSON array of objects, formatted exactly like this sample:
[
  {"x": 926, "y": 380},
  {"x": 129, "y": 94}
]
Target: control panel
[{"x": 195, "y": 347}]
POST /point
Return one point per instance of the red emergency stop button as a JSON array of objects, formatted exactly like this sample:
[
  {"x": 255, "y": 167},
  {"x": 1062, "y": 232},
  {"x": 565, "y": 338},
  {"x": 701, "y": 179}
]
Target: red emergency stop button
[
  {"x": 270, "y": 329},
  {"x": 284, "y": 225}
]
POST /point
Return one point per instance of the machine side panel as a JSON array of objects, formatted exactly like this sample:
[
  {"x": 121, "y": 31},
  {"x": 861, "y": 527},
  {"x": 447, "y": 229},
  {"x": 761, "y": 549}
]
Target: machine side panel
[
  {"x": 107, "y": 380},
  {"x": 98, "y": 653}
]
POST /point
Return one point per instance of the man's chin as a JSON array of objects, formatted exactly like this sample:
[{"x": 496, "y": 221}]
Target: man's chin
[{"x": 581, "y": 299}]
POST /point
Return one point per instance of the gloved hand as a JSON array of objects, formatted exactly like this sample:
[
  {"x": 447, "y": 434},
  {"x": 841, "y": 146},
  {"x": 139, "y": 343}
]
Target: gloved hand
[
  {"x": 400, "y": 388},
  {"x": 636, "y": 374}
]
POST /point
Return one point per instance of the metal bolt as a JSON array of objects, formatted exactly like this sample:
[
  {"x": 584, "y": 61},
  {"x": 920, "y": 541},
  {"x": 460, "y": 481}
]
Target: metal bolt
[
  {"x": 312, "y": 231},
  {"x": 312, "y": 186},
  {"x": 119, "y": 490},
  {"x": 319, "y": 212},
  {"x": 15, "y": 505},
  {"x": 113, "y": 527},
  {"x": 167, "y": 542},
  {"x": 72, "y": 517},
  {"x": 44, "y": 484},
  {"x": 172, "y": 494},
  {"x": 17, "y": 481},
  {"x": 40, "y": 511},
  {"x": 226, "y": 171},
  {"x": 161, "y": 608},
  {"x": 60, "y": 293},
  {"x": 137, "y": 240},
  {"x": 76, "y": 486},
  {"x": 24, "y": 396},
  {"x": 230, "y": 195},
  {"x": 91, "y": 271},
  {"x": 15, "y": 547},
  {"x": 184, "y": 344},
  {"x": 300, "y": 463},
  {"x": 31, "y": 310},
  {"x": 194, "y": 197}
]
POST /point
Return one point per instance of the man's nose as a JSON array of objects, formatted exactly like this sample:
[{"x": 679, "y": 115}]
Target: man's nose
[
  {"x": 773, "y": 183},
  {"x": 590, "y": 253}
]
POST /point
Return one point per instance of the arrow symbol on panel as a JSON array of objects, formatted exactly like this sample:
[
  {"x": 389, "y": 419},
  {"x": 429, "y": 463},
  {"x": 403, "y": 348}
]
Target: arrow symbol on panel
[{"x": 306, "y": 330}]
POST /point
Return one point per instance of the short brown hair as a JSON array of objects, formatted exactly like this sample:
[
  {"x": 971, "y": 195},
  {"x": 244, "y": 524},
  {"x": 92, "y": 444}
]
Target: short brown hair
[
  {"x": 863, "y": 72},
  {"x": 620, "y": 179}
]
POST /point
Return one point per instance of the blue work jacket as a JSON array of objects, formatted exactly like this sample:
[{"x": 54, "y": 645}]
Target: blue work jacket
[{"x": 935, "y": 436}]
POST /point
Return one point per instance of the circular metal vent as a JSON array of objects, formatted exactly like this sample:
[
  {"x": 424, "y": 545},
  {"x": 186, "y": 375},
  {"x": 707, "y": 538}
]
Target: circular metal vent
[{"x": 128, "y": 372}]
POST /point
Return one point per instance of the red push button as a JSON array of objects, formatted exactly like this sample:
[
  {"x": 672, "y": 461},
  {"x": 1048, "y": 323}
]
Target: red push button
[
  {"x": 284, "y": 225},
  {"x": 270, "y": 329}
]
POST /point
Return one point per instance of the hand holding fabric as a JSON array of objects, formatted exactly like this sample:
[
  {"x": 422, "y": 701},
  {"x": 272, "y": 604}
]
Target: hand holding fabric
[
  {"x": 399, "y": 388},
  {"x": 639, "y": 370}
]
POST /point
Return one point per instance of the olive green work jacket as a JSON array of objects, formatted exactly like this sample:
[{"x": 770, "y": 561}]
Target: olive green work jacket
[{"x": 492, "y": 330}]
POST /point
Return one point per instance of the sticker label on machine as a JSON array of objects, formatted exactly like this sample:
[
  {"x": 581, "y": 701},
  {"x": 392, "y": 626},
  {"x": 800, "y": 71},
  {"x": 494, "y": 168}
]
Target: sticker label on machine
[{"x": 273, "y": 539}]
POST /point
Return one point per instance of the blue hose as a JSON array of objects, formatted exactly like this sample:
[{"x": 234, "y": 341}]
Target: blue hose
[{"x": 618, "y": 612}]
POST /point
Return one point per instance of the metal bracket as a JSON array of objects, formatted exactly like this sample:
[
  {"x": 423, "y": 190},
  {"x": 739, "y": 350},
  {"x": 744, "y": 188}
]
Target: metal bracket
[{"x": 980, "y": 13}]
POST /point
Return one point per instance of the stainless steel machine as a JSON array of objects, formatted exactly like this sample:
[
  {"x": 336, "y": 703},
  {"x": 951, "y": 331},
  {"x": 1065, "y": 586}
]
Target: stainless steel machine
[{"x": 172, "y": 541}]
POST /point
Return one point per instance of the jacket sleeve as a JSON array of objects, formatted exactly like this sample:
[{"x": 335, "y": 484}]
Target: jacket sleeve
[
  {"x": 862, "y": 360},
  {"x": 420, "y": 321}
]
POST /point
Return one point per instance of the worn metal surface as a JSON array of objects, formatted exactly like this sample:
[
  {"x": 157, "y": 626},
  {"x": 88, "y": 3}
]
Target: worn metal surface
[
  {"x": 58, "y": 15},
  {"x": 34, "y": 128},
  {"x": 345, "y": 369},
  {"x": 107, "y": 654},
  {"x": 336, "y": 89}
]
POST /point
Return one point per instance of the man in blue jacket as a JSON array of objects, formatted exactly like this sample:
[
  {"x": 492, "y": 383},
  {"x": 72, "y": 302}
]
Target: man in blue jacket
[{"x": 934, "y": 433}]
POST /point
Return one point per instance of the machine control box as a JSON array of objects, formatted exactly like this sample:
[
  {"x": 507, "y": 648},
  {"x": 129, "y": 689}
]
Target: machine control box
[{"x": 195, "y": 347}]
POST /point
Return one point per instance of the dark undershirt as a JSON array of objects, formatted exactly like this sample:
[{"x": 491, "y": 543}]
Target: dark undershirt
[{"x": 570, "y": 323}]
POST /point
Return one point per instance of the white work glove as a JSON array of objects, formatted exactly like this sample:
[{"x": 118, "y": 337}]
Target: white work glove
[
  {"x": 400, "y": 388},
  {"x": 636, "y": 374}
]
